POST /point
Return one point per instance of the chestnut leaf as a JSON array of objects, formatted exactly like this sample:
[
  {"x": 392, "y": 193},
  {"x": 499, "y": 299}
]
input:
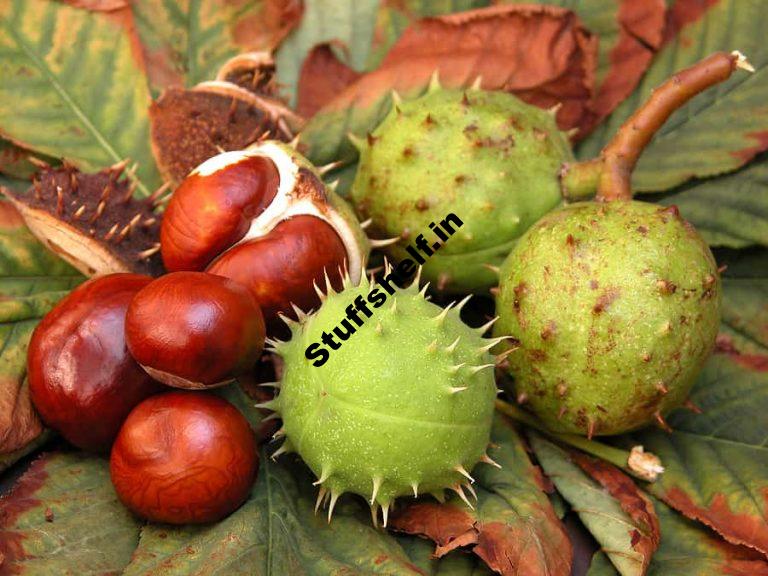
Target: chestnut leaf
[
  {"x": 716, "y": 462},
  {"x": 745, "y": 315},
  {"x": 186, "y": 42},
  {"x": 63, "y": 517},
  {"x": 275, "y": 532},
  {"x": 690, "y": 549},
  {"x": 70, "y": 87},
  {"x": 541, "y": 53},
  {"x": 630, "y": 32},
  {"x": 620, "y": 517},
  {"x": 721, "y": 129},
  {"x": 729, "y": 210}
]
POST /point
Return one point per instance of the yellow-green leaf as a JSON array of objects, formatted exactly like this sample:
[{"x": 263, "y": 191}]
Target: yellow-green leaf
[{"x": 70, "y": 87}]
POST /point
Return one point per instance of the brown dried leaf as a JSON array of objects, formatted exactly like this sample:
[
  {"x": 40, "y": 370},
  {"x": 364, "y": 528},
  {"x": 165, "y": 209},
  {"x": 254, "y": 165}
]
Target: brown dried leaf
[
  {"x": 322, "y": 77},
  {"x": 541, "y": 53}
]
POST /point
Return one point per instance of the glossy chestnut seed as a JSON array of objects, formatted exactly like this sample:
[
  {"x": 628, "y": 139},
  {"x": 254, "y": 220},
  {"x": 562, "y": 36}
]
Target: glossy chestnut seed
[
  {"x": 213, "y": 207},
  {"x": 279, "y": 267},
  {"x": 194, "y": 330},
  {"x": 184, "y": 457},
  {"x": 82, "y": 379}
]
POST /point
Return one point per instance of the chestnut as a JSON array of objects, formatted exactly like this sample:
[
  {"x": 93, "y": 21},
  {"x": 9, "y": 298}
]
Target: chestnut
[
  {"x": 184, "y": 457},
  {"x": 194, "y": 329},
  {"x": 82, "y": 379},
  {"x": 263, "y": 217}
]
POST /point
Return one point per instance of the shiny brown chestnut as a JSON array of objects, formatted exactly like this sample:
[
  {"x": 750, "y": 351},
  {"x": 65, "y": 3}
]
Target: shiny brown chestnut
[
  {"x": 184, "y": 457},
  {"x": 263, "y": 217},
  {"x": 194, "y": 330},
  {"x": 82, "y": 379}
]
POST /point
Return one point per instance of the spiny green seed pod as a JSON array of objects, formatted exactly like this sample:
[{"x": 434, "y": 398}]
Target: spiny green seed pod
[
  {"x": 487, "y": 157},
  {"x": 402, "y": 405},
  {"x": 616, "y": 307}
]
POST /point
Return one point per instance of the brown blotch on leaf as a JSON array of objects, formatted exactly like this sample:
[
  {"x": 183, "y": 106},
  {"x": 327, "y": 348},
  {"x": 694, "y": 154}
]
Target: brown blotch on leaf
[{"x": 92, "y": 220}]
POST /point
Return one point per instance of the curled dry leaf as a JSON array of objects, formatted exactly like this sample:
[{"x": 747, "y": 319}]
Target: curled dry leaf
[
  {"x": 543, "y": 54},
  {"x": 322, "y": 77},
  {"x": 92, "y": 220}
]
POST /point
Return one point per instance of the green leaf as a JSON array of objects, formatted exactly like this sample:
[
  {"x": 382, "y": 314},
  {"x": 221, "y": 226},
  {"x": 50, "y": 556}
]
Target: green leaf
[
  {"x": 26, "y": 266},
  {"x": 691, "y": 550},
  {"x": 731, "y": 210},
  {"x": 745, "y": 292},
  {"x": 191, "y": 39},
  {"x": 275, "y": 532},
  {"x": 717, "y": 462},
  {"x": 687, "y": 548},
  {"x": 629, "y": 539},
  {"x": 70, "y": 87},
  {"x": 512, "y": 527},
  {"x": 721, "y": 129},
  {"x": 349, "y": 22},
  {"x": 63, "y": 517}
]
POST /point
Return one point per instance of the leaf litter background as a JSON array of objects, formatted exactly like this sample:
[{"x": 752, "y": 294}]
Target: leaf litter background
[{"x": 76, "y": 82}]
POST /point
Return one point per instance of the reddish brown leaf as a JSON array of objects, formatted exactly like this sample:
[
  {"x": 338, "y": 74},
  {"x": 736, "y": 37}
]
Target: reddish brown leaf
[
  {"x": 685, "y": 12},
  {"x": 20, "y": 500},
  {"x": 738, "y": 528},
  {"x": 634, "y": 502},
  {"x": 541, "y": 53},
  {"x": 265, "y": 27},
  {"x": 322, "y": 77},
  {"x": 641, "y": 29}
]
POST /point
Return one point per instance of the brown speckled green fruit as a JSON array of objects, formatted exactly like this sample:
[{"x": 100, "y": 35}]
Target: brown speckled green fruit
[
  {"x": 487, "y": 157},
  {"x": 616, "y": 306}
]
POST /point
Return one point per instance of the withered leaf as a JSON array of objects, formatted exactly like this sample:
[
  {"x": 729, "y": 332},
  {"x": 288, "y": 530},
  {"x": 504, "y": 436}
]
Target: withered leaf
[
  {"x": 322, "y": 77},
  {"x": 543, "y": 54},
  {"x": 190, "y": 126}
]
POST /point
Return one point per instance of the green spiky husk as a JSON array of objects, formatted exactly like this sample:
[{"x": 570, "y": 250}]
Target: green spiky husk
[
  {"x": 381, "y": 411},
  {"x": 488, "y": 157},
  {"x": 616, "y": 307}
]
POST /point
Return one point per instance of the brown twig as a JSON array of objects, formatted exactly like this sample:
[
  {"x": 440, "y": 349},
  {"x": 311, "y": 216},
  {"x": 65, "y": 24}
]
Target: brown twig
[{"x": 622, "y": 152}]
